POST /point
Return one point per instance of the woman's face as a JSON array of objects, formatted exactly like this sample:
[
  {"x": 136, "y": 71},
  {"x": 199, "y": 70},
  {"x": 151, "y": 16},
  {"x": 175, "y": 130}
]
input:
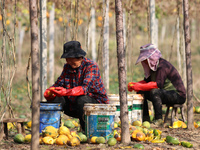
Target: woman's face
[
  {"x": 147, "y": 70},
  {"x": 74, "y": 62}
]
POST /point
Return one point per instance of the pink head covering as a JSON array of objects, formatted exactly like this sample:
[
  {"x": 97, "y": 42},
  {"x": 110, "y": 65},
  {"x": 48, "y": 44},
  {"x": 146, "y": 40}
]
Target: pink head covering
[{"x": 150, "y": 53}]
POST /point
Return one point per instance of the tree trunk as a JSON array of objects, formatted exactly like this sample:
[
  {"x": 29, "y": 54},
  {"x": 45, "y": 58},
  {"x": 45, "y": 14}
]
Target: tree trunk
[
  {"x": 21, "y": 39},
  {"x": 3, "y": 53},
  {"x": 153, "y": 23},
  {"x": 124, "y": 34},
  {"x": 122, "y": 72},
  {"x": 106, "y": 47},
  {"x": 178, "y": 47},
  {"x": 51, "y": 44},
  {"x": 179, "y": 27},
  {"x": 93, "y": 34},
  {"x": 43, "y": 49},
  {"x": 184, "y": 59},
  {"x": 35, "y": 75},
  {"x": 124, "y": 28},
  {"x": 188, "y": 64}
]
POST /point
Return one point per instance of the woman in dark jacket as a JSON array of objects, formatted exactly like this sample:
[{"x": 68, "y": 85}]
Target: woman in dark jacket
[{"x": 162, "y": 83}]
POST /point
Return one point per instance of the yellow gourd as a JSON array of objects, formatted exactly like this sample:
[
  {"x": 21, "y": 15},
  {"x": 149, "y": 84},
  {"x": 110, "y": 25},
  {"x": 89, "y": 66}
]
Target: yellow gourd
[
  {"x": 48, "y": 140},
  {"x": 62, "y": 139},
  {"x": 74, "y": 141},
  {"x": 133, "y": 135},
  {"x": 50, "y": 131},
  {"x": 93, "y": 139},
  {"x": 29, "y": 124},
  {"x": 75, "y": 123},
  {"x": 63, "y": 130},
  {"x": 196, "y": 125},
  {"x": 10, "y": 126},
  {"x": 140, "y": 136},
  {"x": 40, "y": 140},
  {"x": 27, "y": 138}
]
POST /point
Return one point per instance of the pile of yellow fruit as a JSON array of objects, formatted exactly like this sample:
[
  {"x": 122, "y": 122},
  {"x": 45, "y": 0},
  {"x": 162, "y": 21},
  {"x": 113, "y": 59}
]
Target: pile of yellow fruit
[
  {"x": 50, "y": 135},
  {"x": 61, "y": 136},
  {"x": 67, "y": 135},
  {"x": 140, "y": 131}
]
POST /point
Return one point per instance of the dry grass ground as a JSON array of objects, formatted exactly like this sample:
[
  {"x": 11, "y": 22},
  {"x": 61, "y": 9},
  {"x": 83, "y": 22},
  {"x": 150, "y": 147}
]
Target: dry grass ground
[{"x": 192, "y": 136}]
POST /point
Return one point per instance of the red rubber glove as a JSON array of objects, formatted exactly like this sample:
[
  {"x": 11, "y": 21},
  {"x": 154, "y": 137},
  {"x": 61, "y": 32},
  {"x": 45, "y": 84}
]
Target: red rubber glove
[
  {"x": 60, "y": 91},
  {"x": 48, "y": 94},
  {"x": 131, "y": 85},
  {"x": 144, "y": 86}
]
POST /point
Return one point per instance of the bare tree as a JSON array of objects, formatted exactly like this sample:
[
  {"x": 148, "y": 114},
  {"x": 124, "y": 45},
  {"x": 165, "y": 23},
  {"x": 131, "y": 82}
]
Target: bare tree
[
  {"x": 51, "y": 44},
  {"x": 153, "y": 23},
  {"x": 106, "y": 47},
  {"x": 93, "y": 34},
  {"x": 178, "y": 27},
  {"x": 122, "y": 72},
  {"x": 35, "y": 75},
  {"x": 43, "y": 49},
  {"x": 188, "y": 64}
]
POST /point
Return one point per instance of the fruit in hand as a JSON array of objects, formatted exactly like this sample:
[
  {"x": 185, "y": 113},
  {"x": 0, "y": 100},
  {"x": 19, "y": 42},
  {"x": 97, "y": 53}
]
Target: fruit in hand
[{"x": 49, "y": 92}]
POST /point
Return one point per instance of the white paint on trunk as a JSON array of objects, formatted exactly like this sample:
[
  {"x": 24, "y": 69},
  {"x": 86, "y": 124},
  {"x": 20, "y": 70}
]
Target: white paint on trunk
[
  {"x": 21, "y": 39},
  {"x": 93, "y": 34},
  {"x": 89, "y": 37},
  {"x": 43, "y": 49},
  {"x": 51, "y": 44},
  {"x": 106, "y": 47},
  {"x": 153, "y": 23}
]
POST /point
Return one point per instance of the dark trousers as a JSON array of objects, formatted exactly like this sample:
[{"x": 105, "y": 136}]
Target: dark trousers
[
  {"x": 75, "y": 109},
  {"x": 159, "y": 97}
]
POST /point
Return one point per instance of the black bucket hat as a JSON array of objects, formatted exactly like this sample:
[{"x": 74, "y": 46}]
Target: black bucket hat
[{"x": 72, "y": 49}]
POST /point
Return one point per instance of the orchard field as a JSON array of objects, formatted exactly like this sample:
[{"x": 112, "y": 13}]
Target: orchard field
[{"x": 72, "y": 22}]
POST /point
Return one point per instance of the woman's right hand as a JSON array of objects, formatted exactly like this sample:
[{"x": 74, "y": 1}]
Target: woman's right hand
[
  {"x": 130, "y": 86},
  {"x": 48, "y": 94}
]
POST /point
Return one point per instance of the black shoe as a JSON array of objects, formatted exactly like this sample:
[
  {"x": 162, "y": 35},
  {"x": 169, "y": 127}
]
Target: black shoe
[{"x": 146, "y": 118}]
